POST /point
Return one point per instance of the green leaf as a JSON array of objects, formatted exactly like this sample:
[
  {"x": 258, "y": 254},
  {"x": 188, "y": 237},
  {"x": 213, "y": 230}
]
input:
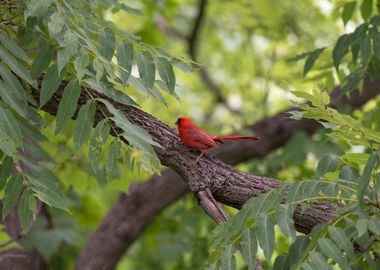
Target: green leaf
[
  {"x": 12, "y": 100},
  {"x": 366, "y": 9},
  {"x": 14, "y": 48},
  {"x": 265, "y": 234},
  {"x": 23, "y": 209},
  {"x": 311, "y": 60},
  {"x": 50, "y": 84},
  {"x": 6, "y": 144},
  {"x": 11, "y": 194},
  {"x": 83, "y": 124},
  {"x": 99, "y": 69},
  {"x": 146, "y": 68},
  {"x": 98, "y": 138},
  {"x": 341, "y": 49},
  {"x": 367, "y": 172},
  {"x": 9, "y": 124},
  {"x": 106, "y": 43},
  {"x": 166, "y": 72},
  {"x": 361, "y": 227},
  {"x": 284, "y": 218},
  {"x": 55, "y": 24},
  {"x": 318, "y": 260},
  {"x": 328, "y": 163},
  {"x": 80, "y": 64},
  {"x": 14, "y": 65},
  {"x": 14, "y": 85},
  {"x": 348, "y": 10},
  {"x": 68, "y": 105},
  {"x": 343, "y": 242},
  {"x": 281, "y": 262},
  {"x": 227, "y": 260},
  {"x": 365, "y": 49},
  {"x": 249, "y": 248},
  {"x": 45, "y": 185},
  {"x": 297, "y": 250},
  {"x": 41, "y": 60},
  {"x": 349, "y": 174},
  {"x": 5, "y": 171},
  {"x": 68, "y": 48},
  {"x": 36, "y": 8},
  {"x": 113, "y": 154},
  {"x": 124, "y": 55},
  {"x": 331, "y": 251},
  {"x": 376, "y": 45}
]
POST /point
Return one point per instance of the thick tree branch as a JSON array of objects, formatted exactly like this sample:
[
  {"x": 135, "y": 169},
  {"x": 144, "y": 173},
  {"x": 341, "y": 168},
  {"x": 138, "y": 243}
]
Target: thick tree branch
[{"x": 231, "y": 186}]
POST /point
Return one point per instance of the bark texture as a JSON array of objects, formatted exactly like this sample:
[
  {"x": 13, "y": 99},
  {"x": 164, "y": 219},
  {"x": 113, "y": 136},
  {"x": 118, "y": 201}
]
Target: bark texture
[{"x": 227, "y": 184}]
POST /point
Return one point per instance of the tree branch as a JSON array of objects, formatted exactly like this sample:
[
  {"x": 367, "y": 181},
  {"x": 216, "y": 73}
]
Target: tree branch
[{"x": 228, "y": 185}]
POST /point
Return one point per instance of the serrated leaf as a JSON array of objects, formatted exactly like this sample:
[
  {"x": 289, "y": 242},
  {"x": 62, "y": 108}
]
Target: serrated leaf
[
  {"x": 50, "y": 84},
  {"x": 83, "y": 124},
  {"x": 5, "y": 171},
  {"x": 330, "y": 250},
  {"x": 106, "y": 43},
  {"x": 343, "y": 242},
  {"x": 14, "y": 48},
  {"x": 265, "y": 234},
  {"x": 284, "y": 218},
  {"x": 36, "y": 8},
  {"x": 227, "y": 260},
  {"x": 23, "y": 209},
  {"x": 348, "y": 10},
  {"x": 166, "y": 72},
  {"x": 249, "y": 248},
  {"x": 41, "y": 60},
  {"x": 67, "y": 105},
  {"x": 311, "y": 60},
  {"x": 366, "y": 9},
  {"x": 124, "y": 55},
  {"x": 367, "y": 172},
  {"x": 146, "y": 68},
  {"x": 11, "y": 194},
  {"x": 328, "y": 163},
  {"x": 15, "y": 66}
]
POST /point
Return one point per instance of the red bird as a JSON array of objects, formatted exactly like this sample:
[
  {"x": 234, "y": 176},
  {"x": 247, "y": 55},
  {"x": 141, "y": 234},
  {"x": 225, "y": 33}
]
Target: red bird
[{"x": 198, "y": 139}]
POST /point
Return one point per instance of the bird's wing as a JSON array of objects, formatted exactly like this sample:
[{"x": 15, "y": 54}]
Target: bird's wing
[{"x": 200, "y": 139}]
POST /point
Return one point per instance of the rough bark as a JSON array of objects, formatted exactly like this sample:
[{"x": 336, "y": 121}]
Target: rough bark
[{"x": 227, "y": 184}]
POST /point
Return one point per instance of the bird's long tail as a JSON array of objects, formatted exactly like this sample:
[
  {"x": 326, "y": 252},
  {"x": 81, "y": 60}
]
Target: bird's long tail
[{"x": 235, "y": 137}]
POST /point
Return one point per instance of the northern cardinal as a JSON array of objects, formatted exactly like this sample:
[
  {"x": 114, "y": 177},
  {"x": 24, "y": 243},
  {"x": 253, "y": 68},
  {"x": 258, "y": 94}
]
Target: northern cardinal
[{"x": 198, "y": 139}]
